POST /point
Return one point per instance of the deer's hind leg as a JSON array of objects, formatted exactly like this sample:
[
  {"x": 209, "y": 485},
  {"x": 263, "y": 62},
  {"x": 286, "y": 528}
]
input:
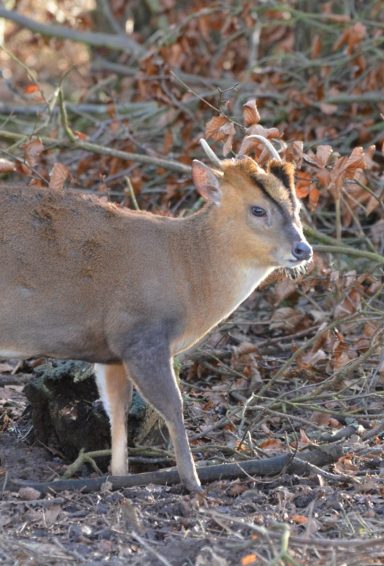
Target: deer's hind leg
[{"x": 115, "y": 390}]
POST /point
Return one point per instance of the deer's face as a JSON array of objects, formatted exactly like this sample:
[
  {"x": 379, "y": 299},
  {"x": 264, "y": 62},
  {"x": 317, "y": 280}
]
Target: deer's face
[
  {"x": 259, "y": 211},
  {"x": 266, "y": 212}
]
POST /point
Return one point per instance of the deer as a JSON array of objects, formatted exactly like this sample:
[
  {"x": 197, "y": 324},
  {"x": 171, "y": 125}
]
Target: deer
[{"x": 129, "y": 290}]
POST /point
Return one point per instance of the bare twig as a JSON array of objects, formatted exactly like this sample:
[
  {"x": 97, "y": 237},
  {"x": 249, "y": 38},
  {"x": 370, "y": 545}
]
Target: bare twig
[
  {"x": 101, "y": 150},
  {"x": 150, "y": 549},
  {"x": 97, "y": 39},
  {"x": 64, "y": 118},
  {"x": 131, "y": 193},
  {"x": 348, "y": 250},
  {"x": 332, "y": 245},
  {"x": 132, "y": 108}
]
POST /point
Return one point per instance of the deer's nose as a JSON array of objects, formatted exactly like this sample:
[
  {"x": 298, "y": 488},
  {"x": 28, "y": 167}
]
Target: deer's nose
[{"x": 302, "y": 251}]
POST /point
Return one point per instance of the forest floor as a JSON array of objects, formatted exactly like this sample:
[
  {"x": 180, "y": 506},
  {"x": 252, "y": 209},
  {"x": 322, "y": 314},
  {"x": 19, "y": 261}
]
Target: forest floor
[{"x": 331, "y": 515}]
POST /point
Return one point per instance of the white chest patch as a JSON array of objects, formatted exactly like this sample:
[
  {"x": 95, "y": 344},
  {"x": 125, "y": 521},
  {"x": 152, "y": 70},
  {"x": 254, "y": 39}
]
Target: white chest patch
[
  {"x": 230, "y": 294},
  {"x": 246, "y": 282}
]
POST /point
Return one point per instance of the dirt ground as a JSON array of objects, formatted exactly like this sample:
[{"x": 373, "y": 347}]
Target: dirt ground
[{"x": 334, "y": 516}]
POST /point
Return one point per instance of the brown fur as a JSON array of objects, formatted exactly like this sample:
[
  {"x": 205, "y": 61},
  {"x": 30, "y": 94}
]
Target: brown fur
[
  {"x": 279, "y": 185},
  {"x": 85, "y": 279}
]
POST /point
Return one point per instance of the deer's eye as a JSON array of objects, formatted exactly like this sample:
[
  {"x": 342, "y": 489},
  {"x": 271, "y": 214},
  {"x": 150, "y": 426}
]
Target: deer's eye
[{"x": 258, "y": 211}]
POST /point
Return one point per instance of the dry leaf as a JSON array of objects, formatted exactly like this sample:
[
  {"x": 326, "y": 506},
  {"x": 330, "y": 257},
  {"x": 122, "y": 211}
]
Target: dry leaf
[
  {"x": 311, "y": 358},
  {"x": 324, "y": 419},
  {"x": 220, "y": 128},
  {"x": 323, "y": 153},
  {"x": 327, "y": 108},
  {"x": 286, "y": 318},
  {"x": 303, "y": 184},
  {"x": 283, "y": 290},
  {"x": 230, "y": 131},
  {"x": 314, "y": 196},
  {"x": 299, "y": 519},
  {"x": 271, "y": 443},
  {"x": 251, "y": 114},
  {"x": 316, "y": 47},
  {"x": 80, "y": 135},
  {"x": 7, "y": 166},
  {"x": 29, "y": 493},
  {"x": 32, "y": 151},
  {"x": 51, "y": 514},
  {"x": 214, "y": 130},
  {"x": 268, "y": 133},
  {"x": 248, "y": 560},
  {"x": 345, "y": 465},
  {"x": 57, "y": 177},
  {"x": 31, "y": 88},
  {"x": 304, "y": 438},
  {"x": 345, "y": 168},
  {"x": 352, "y": 37},
  {"x": 237, "y": 489},
  {"x": 295, "y": 153}
]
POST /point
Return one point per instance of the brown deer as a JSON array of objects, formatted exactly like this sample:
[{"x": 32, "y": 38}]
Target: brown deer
[{"x": 84, "y": 279}]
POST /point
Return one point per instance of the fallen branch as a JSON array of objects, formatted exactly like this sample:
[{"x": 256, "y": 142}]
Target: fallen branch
[
  {"x": 85, "y": 458},
  {"x": 364, "y": 98},
  {"x": 101, "y": 150},
  {"x": 147, "y": 455},
  {"x": 19, "y": 379},
  {"x": 96, "y": 39},
  {"x": 130, "y": 108},
  {"x": 341, "y": 434},
  {"x": 125, "y": 155},
  {"x": 319, "y": 456}
]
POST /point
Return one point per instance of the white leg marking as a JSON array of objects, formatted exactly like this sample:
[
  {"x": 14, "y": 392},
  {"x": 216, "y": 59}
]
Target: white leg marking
[
  {"x": 101, "y": 378},
  {"x": 115, "y": 391}
]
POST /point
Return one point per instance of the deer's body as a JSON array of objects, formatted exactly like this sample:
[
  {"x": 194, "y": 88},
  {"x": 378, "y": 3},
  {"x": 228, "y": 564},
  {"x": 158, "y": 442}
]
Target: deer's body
[
  {"x": 125, "y": 267},
  {"x": 128, "y": 290}
]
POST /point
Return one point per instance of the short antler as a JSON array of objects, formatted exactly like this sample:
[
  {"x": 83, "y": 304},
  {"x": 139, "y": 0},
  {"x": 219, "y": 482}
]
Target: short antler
[
  {"x": 210, "y": 153},
  {"x": 266, "y": 142}
]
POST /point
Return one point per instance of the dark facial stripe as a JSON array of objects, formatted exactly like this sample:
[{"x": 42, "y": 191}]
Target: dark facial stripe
[
  {"x": 263, "y": 189},
  {"x": 280, "y": 172}
]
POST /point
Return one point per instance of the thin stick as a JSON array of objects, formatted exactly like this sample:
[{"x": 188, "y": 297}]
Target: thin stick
[
  {"x": 132, "y": 193},
  {"x": 159, "y": 556},
  {"x": 112, "y": 41},
  {"x": 64, "y": 118},
  {"x": 101, "y": 150},
  {"x": 348, "y": 250}
]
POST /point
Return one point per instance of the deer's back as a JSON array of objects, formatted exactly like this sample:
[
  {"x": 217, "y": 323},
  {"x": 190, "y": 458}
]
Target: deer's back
[{"x": 67, "y": 264}]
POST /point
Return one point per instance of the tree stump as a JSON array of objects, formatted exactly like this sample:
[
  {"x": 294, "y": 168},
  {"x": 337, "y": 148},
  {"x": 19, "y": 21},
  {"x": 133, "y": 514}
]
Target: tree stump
[{"x": 68, "y": 415}]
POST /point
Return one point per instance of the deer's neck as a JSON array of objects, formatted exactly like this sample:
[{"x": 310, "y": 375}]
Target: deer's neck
[{"x": 219, "y": 277}]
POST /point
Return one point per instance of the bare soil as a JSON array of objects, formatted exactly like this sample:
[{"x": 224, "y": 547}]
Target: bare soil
[{"x": 284, "y": 520}]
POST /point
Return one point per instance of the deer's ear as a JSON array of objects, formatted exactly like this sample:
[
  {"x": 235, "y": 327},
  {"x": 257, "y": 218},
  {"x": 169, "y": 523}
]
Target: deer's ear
[
  {"x": 206, "y": 182},
  {"x": 285, "y": 172}
]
